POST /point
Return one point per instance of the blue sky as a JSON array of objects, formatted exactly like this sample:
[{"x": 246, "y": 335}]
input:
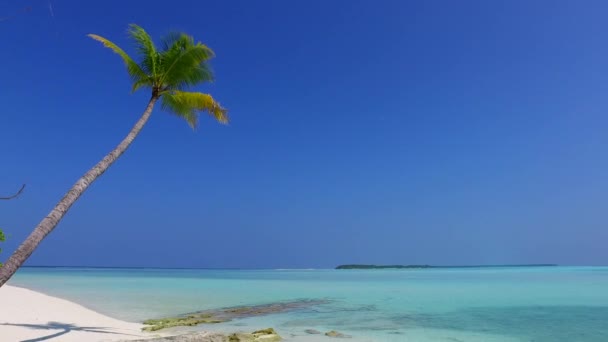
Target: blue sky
[{"x": 436, "y": 132}]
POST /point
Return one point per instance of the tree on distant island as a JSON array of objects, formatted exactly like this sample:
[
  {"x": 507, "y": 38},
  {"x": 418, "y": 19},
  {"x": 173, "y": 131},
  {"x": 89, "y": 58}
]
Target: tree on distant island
[{"x": 179, "y": 64}]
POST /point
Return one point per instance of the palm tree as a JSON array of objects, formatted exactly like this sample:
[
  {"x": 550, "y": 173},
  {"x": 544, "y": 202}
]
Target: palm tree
[{"x": 167, "y": 72}]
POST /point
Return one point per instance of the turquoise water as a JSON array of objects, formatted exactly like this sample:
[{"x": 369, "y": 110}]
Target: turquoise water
[{"x": 470, "y": 304}]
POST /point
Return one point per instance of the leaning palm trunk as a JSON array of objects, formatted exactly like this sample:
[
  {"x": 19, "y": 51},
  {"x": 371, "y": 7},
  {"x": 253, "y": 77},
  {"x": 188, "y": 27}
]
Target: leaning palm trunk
[
  {"x": 167, "y": 72},
  {"x": 50, "y": 222}
]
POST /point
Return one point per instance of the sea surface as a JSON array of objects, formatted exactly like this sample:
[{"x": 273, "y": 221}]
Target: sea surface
[{"x": 503, "y": 304}]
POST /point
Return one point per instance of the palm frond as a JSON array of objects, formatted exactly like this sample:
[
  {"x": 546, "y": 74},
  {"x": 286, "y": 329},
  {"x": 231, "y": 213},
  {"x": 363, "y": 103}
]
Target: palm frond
[
  {"x": 188, "y": 105},
  {"x": 183, "y": 63},
  {"x": 169, "y": 40},
  {"x": 134, "y": 70},
  {"x": 146, "y": 82},
  {"x": 145, "y": 48},
  {"x": 180, "y": 64},
  {"x": 185, "y": 76}
]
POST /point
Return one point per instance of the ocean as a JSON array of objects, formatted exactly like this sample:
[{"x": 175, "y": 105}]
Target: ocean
[{"x": 502, "y": 304}]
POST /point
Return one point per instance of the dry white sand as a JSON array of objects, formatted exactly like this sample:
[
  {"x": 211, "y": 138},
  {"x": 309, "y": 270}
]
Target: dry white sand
[{"x": 29, "y": 316}]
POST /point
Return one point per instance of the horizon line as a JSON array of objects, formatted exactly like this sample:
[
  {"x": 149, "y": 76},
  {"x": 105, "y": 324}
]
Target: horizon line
[{"x": 302, "y": 268}]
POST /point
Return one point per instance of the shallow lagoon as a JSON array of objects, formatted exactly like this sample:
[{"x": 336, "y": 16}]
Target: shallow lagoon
[{"x": 457, "y": 304}]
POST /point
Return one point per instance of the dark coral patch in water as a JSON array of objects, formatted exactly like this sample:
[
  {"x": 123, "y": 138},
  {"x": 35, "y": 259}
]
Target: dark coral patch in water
[{"x": 228, "y": 314}]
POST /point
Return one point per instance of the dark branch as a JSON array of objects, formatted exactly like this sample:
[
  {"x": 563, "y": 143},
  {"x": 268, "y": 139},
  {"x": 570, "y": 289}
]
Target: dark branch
[{"x": 15, "y": 195}]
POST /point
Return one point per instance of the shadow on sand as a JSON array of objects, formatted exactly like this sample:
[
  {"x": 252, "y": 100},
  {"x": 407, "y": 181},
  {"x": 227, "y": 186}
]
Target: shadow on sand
[{"x": 65, "y": 328}]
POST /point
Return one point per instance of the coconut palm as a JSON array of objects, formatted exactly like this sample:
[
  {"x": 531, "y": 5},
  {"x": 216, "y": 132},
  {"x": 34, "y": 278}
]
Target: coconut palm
[{"x": 167, "y": 72}]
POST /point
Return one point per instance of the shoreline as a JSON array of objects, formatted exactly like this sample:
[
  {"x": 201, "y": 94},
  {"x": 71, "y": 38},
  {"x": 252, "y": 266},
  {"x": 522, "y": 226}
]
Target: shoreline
[
  {"x": 31, "y": 316},
  {"x": 28, "y": 315}
]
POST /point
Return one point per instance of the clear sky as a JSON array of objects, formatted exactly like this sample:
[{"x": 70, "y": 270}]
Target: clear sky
[{"x": 436, "y": 132}]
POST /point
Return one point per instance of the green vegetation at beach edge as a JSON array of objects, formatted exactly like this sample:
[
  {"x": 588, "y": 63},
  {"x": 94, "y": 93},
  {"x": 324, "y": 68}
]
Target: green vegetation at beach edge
[{"x": 2, "y": 239}]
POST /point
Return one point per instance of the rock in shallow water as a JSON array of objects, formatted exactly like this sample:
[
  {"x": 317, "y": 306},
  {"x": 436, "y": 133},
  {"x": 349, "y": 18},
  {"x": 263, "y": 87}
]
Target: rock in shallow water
[
  {"x": 228, "y": 314},
  {"x": 337, "y": 334},
  {"x": 265, "y": 335},
  {"x": 192, "y": 337},
  {"x": 312, "y": 331}
]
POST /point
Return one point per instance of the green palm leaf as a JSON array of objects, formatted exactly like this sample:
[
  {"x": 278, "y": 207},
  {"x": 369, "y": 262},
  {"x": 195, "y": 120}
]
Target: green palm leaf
[
  {"x": 181, "y": 63},
  {"x": 134, "y": 70},
  {"x": 145, "y": 47},
  {"x": 184, "y": 63},
  {"x": 188, "y": 105}
]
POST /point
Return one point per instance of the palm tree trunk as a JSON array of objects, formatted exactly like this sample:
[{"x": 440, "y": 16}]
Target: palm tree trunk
[{"x": 50, "y": 222}]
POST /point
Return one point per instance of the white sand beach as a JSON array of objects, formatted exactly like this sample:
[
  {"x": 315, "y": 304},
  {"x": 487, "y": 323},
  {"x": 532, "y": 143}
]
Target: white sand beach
[{"x": 29, "y": 316}]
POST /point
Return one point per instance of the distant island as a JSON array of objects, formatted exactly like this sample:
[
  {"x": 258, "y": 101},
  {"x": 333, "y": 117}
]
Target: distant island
[
  {"x": 374, "y": 267},
  {"x": 367, "y": 267}
]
